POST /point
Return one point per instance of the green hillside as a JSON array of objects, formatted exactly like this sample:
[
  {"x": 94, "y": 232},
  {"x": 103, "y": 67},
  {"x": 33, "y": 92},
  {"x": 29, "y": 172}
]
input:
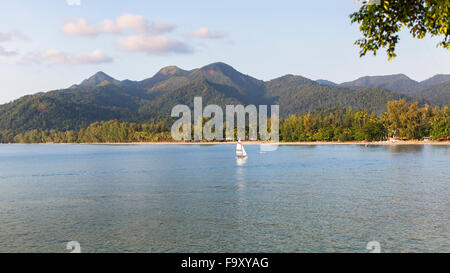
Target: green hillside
[
  {"x": 435, "y": 94},
  {"x": 398, "y": 83},
  {"x": 102, "y": 98}
]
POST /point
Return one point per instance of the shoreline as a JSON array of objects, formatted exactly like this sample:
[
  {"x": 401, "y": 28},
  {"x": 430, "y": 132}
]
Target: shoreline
[{"x": 250, "y": 143}]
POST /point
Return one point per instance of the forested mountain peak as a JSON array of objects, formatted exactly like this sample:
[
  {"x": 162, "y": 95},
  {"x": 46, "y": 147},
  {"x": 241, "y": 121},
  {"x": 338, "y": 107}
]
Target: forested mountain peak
[
  {"x": 291, "y": 80},
  {"x": 218, "y": 70},
  {"x": 171, "y": 71},
  {"x": 326, "y": 82},
  {"x": 379, "y": 79},
  {"x": 97, "y": 79},
  {"x": 223, "y": 74},
  {"x": 219, "y": 66},
  {"x": 436, "y": 79},
  {"x": 397, "y": 82}
]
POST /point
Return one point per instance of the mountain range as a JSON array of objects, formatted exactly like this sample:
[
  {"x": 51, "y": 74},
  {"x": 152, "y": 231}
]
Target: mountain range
[{"x": 101, "y": 97}]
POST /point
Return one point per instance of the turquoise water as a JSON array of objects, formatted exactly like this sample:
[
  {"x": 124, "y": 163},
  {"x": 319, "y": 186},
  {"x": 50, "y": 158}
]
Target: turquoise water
[{"x": 201, "y": 199}]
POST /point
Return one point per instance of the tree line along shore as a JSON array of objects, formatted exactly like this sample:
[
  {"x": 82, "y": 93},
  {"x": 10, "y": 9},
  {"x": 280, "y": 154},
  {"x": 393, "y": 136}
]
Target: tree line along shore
[{"x": 402, "y": 121}]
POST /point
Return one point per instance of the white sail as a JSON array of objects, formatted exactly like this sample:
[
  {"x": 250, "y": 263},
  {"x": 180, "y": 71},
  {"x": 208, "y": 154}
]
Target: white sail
[{"x": 240, "y": 151}]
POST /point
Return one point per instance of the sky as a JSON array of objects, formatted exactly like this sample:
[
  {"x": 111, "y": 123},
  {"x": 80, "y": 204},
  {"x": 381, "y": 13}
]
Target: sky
[{"x": 52, "y": 44}]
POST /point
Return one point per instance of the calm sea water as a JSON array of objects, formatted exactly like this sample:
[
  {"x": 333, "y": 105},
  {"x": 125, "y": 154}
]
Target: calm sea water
[{"x": 201, "y": 199}]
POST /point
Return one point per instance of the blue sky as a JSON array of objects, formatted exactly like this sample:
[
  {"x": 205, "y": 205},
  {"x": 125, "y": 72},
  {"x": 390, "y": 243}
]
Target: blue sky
[{"x": 46, "y": 45}]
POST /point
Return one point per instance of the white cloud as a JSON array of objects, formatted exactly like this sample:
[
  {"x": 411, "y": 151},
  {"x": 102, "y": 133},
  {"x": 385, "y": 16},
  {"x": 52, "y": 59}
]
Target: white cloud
[
  {"x": 6, "y": 53},
  {"x": 54, "y": 56},
  {"x": 95, "y": 57},
  {"x": 205, "y": 33},
  {"x": 107, "y": 26},
  {"x": 148, "y": 36},
  {"x": 163, "y": 27},
  {"x": 122, "y": 23},
  {"x": 153, "y": 45},
  {"x": 80, "y": 27},
  {"x": 134, "y": 22},
  {"x": 10, "y": 36}
]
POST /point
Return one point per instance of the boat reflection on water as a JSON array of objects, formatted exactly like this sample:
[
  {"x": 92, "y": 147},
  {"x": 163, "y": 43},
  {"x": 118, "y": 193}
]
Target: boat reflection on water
[
  {"x": 240, "y": 161},
  {"x": 240, "y": 176}
]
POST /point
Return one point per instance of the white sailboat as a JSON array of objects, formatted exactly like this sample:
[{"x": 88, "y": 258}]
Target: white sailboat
[{"x": 240, "y": 151}]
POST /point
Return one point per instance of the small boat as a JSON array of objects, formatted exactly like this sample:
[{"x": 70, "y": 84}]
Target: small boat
[{"x": 240, "y": 151}]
